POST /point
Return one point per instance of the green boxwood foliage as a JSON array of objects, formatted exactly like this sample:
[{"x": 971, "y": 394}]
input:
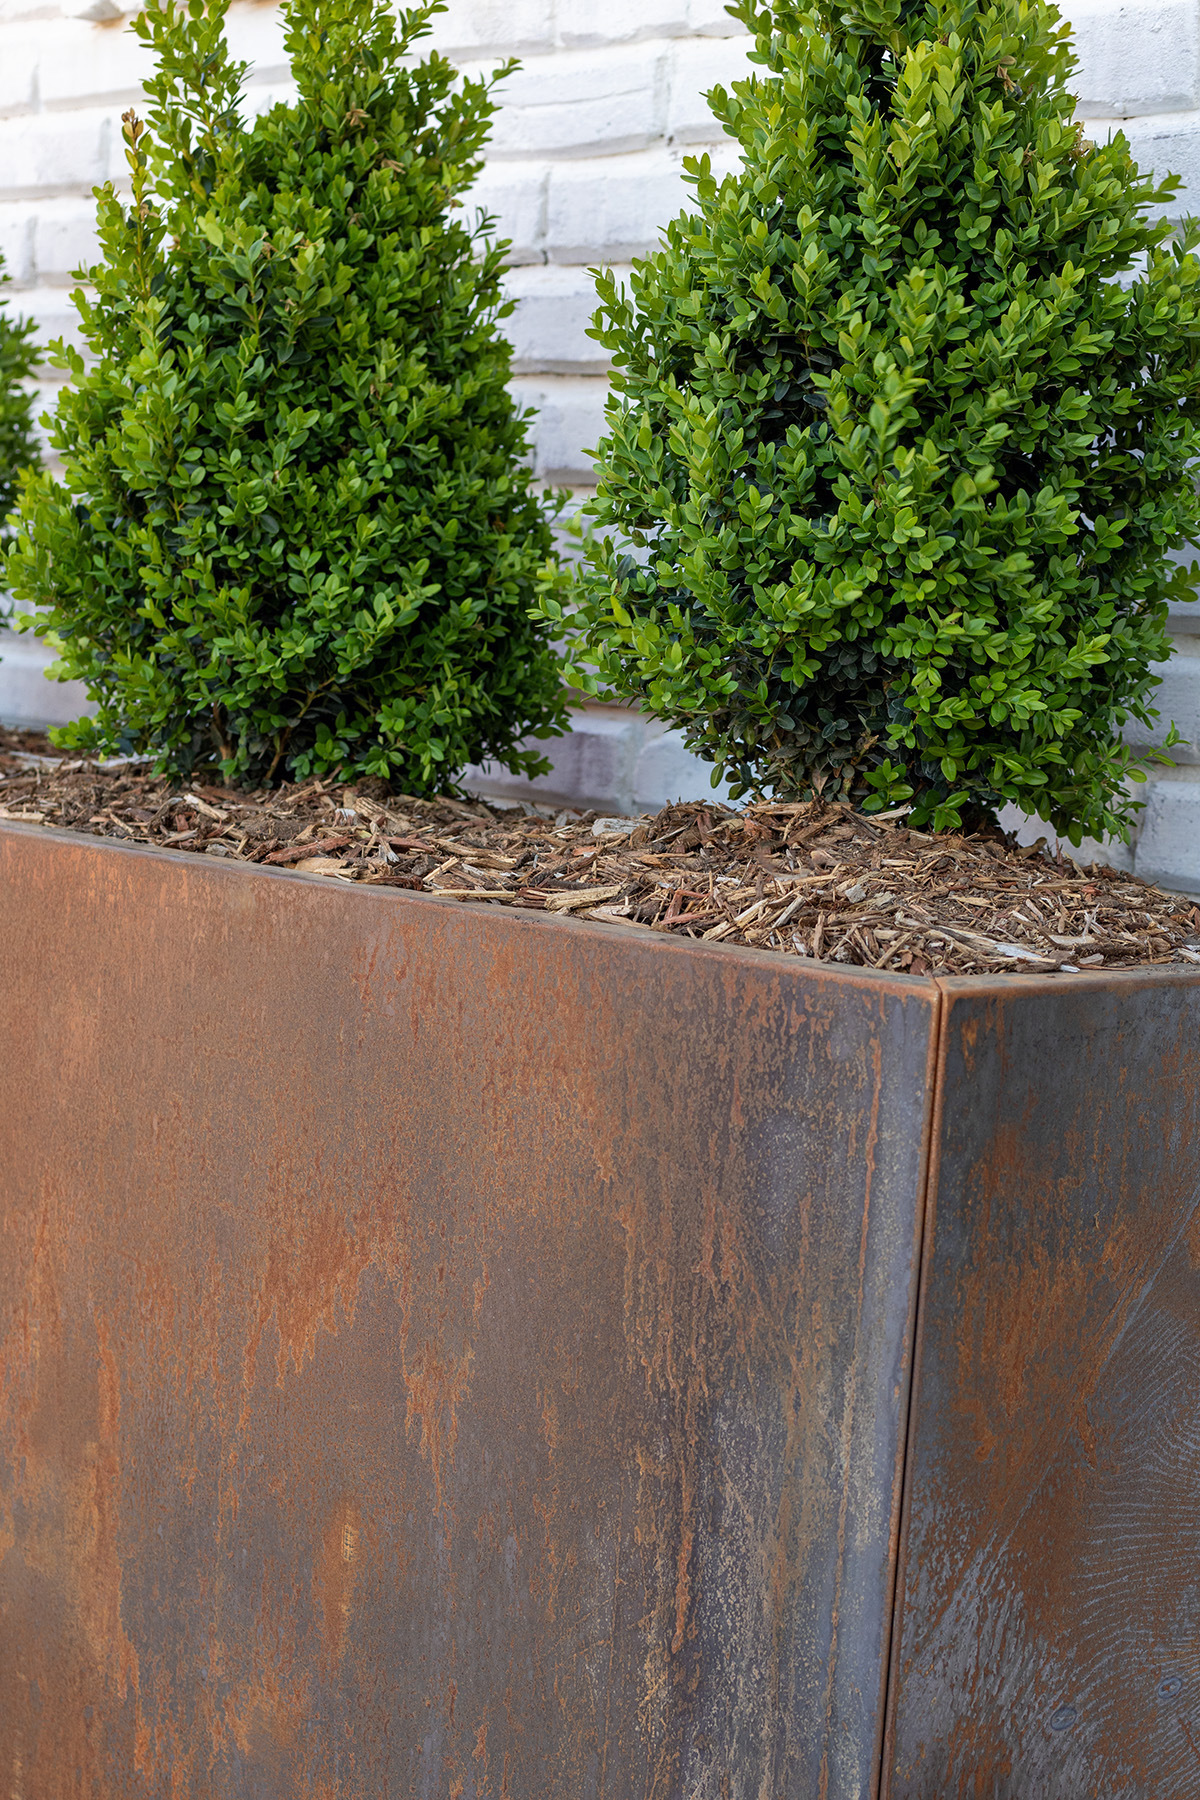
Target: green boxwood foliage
[
  {"x": 296, "y": 531},
  {"x": 18, "y": 448},
  {"x": 894, "y": 461}
]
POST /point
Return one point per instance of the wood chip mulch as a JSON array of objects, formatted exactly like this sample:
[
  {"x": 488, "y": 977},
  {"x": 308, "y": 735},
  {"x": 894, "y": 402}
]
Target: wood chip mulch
[{"x": 802, "y": 880}]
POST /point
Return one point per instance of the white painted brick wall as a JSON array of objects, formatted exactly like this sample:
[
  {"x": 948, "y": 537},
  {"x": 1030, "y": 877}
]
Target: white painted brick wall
[
  {"x": 1136, "y": 59},
  {"x": 549, "y": 327},
  {"x": 585, "y": 168}
]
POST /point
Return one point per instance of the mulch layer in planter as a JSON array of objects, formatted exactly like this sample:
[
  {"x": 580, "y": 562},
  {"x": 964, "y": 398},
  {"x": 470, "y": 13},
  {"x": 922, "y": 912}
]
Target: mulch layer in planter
[{"x": 801, "y": 880}]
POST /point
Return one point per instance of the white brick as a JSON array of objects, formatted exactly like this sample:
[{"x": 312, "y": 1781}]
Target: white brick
[
  {"x": 699, "y": 64},
  {"x": 514, "y": 194},
  {"x": 1142, "y": 58},
  {"x": 1185, "y": 614},
  {"x": 710, "y": 18},
  {"x": 17, "y": 12},
  {"x": 613, "y": 210},
  {"x": 80, "y": 61},
  {"x": 1178, "y": 703},
  {"x": 64, "y": 152},
  {"x": 255, "y": 35},
  {"x": 260, "y": 96},
  {"x": 1162, "y": 144},
  {"x": 52, "y": 310},
  {"x": 667, "y": 771},
  {"x": 1029, "y": 830},
  {"x": 18, "y": 69},
  {"x": 501, "y": 27},
  {"x": 98, "y": 12},
  {"x": 614, "y": 759},
  {"x": 84, "y": 64},
  {"x": 592, "y": 765},
  {"x": 26, "y": 697},
  {"x": 64, "y": 239},
  {"x": 566, "y": 540},
  {"x": 548, "y": 330},
  {"x": 570, "y": 423},
  {"x": 583, "y": 104},
  {"x": 584, "y": 25},
  {"x": 18, "y": 225},
  {"x": 1168, "y": 849}
]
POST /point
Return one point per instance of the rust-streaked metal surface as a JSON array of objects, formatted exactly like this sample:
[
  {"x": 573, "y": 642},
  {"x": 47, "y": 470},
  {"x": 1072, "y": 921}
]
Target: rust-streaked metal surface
[
  {"x": 1049, "y": 1643},
  {"x": 440, "y": 1356}
]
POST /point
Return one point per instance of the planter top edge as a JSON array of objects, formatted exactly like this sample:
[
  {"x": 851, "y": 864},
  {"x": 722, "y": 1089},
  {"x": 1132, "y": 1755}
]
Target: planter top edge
[
  {"x": 515, "y": 918},
  {"x": 961, "y": 987},
  {"x": 528, "y": 918}
]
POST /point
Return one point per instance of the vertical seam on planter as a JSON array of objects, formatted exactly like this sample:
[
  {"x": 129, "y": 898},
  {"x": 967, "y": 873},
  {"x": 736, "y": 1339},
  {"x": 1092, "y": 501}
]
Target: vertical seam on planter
[{"x": 926, "y": 1206}]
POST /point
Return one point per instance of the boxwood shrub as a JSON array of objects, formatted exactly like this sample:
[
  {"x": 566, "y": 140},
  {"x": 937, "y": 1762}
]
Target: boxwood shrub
[
  {"x": 18, "y": 447},
  {"x": 903, "y": 427},
  {"x": 295, "y": 532}
]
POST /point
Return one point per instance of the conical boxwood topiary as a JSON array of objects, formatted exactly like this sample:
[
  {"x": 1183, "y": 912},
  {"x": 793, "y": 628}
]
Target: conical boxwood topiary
[
  {"x": 18, "y": 448},
  {"x": 895, "y": 463},
  {"x": 296, "y": 532}
]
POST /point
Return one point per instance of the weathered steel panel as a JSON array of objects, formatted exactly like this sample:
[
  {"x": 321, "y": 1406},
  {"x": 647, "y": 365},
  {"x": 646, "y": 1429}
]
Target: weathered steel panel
[
  {"x": 1050, "y": 1603},
  {"x": 441, "y": 1355}
]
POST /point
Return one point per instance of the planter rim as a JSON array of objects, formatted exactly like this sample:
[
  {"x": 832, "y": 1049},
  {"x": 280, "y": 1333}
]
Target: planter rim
[{"x": 531, "y": 918}]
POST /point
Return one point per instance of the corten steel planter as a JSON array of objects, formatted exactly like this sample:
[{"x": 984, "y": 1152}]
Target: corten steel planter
[{"x": 470, "y": 1354}]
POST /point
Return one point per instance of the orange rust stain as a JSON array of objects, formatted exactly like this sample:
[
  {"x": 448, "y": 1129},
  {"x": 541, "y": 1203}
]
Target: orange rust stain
[
  {"x": 1022, "y": 1315},
  {"x": 437, "y": 1387},
  {"x": 482, "y": 1284},
  {"x": 97, "y": 1573},
  {"x": 65, "y": 1422},
  {"x": 307, "y": 1279},
  {"x": 336, "y": 1569},
  {"x": 265, "y": 1716},
  {"x": 210, "y": 1321}
]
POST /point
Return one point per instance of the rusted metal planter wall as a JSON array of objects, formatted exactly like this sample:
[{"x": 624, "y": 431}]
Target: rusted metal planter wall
[
  {"x": 468, "y": 1356},
  {"x": 1048, "y": 1645}
]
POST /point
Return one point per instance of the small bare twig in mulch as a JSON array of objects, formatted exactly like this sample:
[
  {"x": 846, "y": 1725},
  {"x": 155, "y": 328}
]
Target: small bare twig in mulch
[{"x": 807, "y": 879}]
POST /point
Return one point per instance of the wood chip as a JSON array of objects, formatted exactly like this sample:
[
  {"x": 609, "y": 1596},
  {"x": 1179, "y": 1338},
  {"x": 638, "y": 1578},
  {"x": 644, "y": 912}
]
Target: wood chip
[
  {"x": 582, "y": 897},
  {"x": 608, "y": 915},
  {"x": 319, "y": 848},
  {"x": 318, "y": 865}
]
